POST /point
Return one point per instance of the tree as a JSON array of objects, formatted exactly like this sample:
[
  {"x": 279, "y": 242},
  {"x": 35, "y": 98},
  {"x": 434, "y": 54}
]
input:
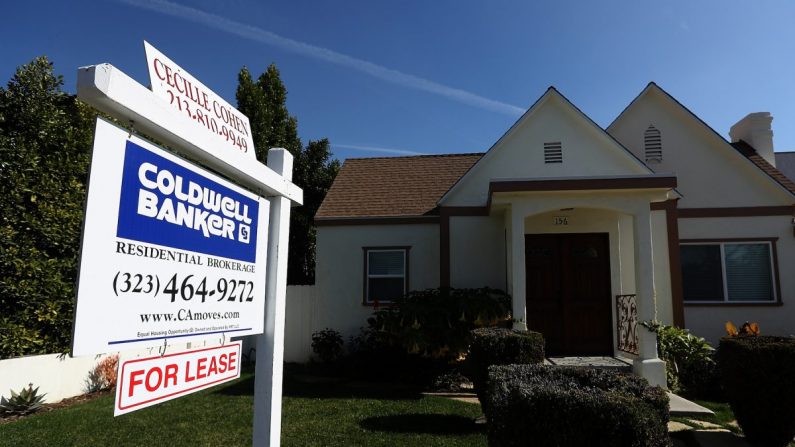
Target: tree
[
  {"x": 45, "y": 137},
  {"x": 264, "y": 101}
]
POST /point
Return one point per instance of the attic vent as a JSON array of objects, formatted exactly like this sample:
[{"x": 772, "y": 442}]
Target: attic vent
[
  {"x": 553, "y": 152},
  {"x": 652, "y": 142}
]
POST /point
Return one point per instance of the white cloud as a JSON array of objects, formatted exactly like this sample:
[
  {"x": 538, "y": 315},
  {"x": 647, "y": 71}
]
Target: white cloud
[
  {"x": 324, "y": 54},
  {"x": 385, "y": 150}
]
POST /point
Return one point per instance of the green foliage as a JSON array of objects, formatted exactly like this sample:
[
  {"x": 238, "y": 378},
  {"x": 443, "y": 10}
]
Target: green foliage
[
  {"x": 45, "y": 138},
  {"x": 437, "y": 322},
  {"x": 25, "y": 402},
  {"x": 327, "y": 345},
  {"x": 499, "y": 346},
  {"x": 264, "y": 101},
  {"x": 531, "y": 405},
  {"x": 690, "y": 365},
  {"x": 757, "y": 374}
]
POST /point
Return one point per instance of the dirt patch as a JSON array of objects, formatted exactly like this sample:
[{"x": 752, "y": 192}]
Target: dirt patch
[{"x": 68, "y": 402}]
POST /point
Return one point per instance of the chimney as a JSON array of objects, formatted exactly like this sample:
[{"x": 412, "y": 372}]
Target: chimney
[{"x": 755, "y": 129}]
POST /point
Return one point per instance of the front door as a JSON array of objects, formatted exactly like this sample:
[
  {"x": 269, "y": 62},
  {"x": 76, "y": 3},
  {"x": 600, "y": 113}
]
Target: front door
[{"x": 568, "y": 292}]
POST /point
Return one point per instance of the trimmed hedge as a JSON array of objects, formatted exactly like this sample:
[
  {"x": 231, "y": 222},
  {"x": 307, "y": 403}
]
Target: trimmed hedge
[
  {"x": 758, "y": 375},
  {"x": 499, "y": 346},
  {"x": 537, "y": 405}
]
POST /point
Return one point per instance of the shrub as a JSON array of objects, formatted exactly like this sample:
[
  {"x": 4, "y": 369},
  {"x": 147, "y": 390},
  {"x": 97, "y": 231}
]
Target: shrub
[
  {"x": 327, "y": 345},
  {"x": 103, "y": 376},
  {"x": 757, "y": 375},
  {"x": 537, "y": 405},
  {"x": 25, "y": 402},
  {"x": 436, "y": 323},
  {"x": 499, "y": 346},
  {"x": 689, "y": 362}
]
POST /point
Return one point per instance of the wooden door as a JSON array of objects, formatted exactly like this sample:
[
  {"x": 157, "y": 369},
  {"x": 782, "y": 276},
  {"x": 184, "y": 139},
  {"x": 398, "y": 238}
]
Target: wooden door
[{"x": 568, "y": 292}]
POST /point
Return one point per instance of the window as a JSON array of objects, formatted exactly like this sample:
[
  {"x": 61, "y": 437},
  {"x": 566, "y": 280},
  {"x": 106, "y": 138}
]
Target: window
[
  {"x": 553, "y": 152},
  {"x": 729, "y": 272},
  {"x": 652, "y": 143},
  {"x": 385, "y": 274}
]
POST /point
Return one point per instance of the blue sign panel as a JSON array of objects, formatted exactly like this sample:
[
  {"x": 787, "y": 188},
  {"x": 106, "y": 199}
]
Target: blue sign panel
[{"x": 168, "y": 204}]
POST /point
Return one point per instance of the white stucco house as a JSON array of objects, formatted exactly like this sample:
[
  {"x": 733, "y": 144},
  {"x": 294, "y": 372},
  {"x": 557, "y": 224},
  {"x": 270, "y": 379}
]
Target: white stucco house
[{"x": 656, "y": 217}]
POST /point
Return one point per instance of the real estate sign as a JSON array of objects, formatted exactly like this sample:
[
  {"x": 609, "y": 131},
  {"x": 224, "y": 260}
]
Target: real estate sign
[
  {"x": 143, "y": 382},
  {"x": 169, "y": 250},
  {"x": 192, "y": 99}
]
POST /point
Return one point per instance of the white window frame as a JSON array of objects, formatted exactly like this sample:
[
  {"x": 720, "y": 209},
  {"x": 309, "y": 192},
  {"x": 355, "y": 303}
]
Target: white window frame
[
  {"x": 770, "y": 242},
  {"x": 367, "y": 276}
]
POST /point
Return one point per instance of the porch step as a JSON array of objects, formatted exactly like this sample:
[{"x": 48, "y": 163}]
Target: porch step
[
  {"x": 679, "y": 406},
  {"x": 599, "y": 362}
]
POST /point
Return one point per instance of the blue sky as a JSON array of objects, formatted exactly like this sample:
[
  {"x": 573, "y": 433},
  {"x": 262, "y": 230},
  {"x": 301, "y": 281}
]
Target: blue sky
[{"x": 391, "y": 78}]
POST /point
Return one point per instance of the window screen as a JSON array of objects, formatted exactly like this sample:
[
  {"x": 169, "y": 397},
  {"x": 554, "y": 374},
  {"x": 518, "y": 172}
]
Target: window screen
[
  {"x": 720, "y": 272},
  {"x": 386, "y": 275}
]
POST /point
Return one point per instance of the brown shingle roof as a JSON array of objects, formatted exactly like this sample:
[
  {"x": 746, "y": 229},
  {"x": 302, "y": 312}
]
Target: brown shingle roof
[
  {"x": 748, "y": 150},
  {"x": 393, "y": 186}
]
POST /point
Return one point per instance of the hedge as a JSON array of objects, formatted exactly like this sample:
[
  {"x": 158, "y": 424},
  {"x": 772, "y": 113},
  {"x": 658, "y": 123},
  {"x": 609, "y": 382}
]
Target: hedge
[
  {"x": 499, "y": 346},
  {"x": 758, "y": 376},
  {"x": 538, "y": 405}
]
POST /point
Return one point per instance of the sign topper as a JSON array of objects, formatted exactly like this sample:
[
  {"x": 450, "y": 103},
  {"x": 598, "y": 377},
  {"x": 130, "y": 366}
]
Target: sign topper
[
  {"x": 170, "y": 251},
  {"x": 208, "y": 111},
  {"x": 148, "y": 381}
]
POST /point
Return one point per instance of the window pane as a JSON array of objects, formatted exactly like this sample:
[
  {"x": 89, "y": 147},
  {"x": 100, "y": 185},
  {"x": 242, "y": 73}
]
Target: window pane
[
  {"x": 385, "y": 289},
  {"x": 702, "y": 275},
  {"x": 748, "y": 272},
  {"x": 386, "y": 262}
]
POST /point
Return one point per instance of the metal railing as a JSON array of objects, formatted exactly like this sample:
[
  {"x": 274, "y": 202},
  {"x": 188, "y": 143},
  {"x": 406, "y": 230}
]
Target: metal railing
[{"x": 627, "y": 323}]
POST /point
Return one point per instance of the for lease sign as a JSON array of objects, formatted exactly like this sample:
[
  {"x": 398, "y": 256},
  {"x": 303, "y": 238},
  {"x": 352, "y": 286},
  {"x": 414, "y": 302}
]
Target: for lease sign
[
  {"x": 189, "y": 97},
  {"x": 145, "y": 382},
  {"x": 169, "y": 251}
]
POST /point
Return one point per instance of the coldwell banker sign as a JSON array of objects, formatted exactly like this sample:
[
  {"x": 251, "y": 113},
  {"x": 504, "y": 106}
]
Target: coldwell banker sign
[{"x": 170, "y": 250}]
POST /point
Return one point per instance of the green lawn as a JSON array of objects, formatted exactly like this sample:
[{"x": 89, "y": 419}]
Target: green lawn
[{"x": 313, "y": 415}]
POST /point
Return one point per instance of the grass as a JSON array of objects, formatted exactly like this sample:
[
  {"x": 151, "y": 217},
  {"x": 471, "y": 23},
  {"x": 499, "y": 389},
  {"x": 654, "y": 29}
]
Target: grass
[
  {"x": 343, "y": 414},
  {"x": 723, "y": 416}
]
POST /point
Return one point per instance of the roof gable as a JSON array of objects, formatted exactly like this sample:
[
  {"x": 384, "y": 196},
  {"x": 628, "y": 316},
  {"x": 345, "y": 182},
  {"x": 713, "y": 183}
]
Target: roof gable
[
  {"x": 711, "y": 171},
  {"x": 392, "y": 186},
  {"x": 587, "y": 151}
]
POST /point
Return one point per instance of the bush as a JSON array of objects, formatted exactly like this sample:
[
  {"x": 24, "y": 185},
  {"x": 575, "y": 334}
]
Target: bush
[
  {"x": 689, "y": 362},
  {"x": 327, "y": 345},
  {"x": 757, "y": 375},
  {"x": 537, "y": 405},
  {"x": 436, "y": 323},
  {"x": 103, "y": 376},
  {"x": 498, "y": 346}
]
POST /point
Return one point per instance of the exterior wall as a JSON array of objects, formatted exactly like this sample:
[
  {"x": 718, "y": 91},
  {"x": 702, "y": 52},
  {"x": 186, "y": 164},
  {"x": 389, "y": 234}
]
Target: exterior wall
[
  {"x": 708, "y": 321},
  {"x": 477, "y": 252},
  {"x": 57, "y": 375},
  {"x": 587, "y": 151},
  {"x": 340, "y": 268},
  {"x": 709, "y": 171}
]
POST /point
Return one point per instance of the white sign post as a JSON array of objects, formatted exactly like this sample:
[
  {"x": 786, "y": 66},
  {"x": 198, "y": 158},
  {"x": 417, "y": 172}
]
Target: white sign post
[{"x": 111, "y": 91}]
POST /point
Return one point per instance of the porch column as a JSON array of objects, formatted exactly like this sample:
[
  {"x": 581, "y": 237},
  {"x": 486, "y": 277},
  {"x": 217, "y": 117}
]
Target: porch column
[
  {"x": 519, "y": 309},
  {"x": 647, "y": 365}
]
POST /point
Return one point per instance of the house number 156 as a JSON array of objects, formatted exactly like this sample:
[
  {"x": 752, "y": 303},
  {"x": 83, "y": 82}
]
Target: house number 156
[{"x": 560, "y": 220}]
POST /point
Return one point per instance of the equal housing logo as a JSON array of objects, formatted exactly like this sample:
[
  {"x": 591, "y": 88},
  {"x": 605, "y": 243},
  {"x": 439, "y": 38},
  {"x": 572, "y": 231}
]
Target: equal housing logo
[{"x": 166, "y": 203}]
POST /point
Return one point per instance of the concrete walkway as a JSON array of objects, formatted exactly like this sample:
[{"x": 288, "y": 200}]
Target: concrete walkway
[{"x": 679, "y": 406}]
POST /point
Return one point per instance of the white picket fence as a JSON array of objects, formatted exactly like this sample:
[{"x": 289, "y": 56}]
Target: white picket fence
[{"x": 61, "y": 376}]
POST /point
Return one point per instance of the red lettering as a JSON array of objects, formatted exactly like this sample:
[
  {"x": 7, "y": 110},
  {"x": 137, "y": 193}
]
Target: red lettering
[
  {"x": 200, "y": 367},
  {"x": 213, "y": 369},
  {"x": 178, "y": 82},
  {"x": 188, "y": 378},
  {"x": 134, "y": 381},
  {"x": 148, "y": 382},
  {"x": 206, "y": 101},
  {"x": 171, "y": 373},
  {"x": 222, "y": 363},
  {"x": 157, "y": 70},
  {"x": 232, "y": 359},
  {"x": 169, "y": 78}
]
